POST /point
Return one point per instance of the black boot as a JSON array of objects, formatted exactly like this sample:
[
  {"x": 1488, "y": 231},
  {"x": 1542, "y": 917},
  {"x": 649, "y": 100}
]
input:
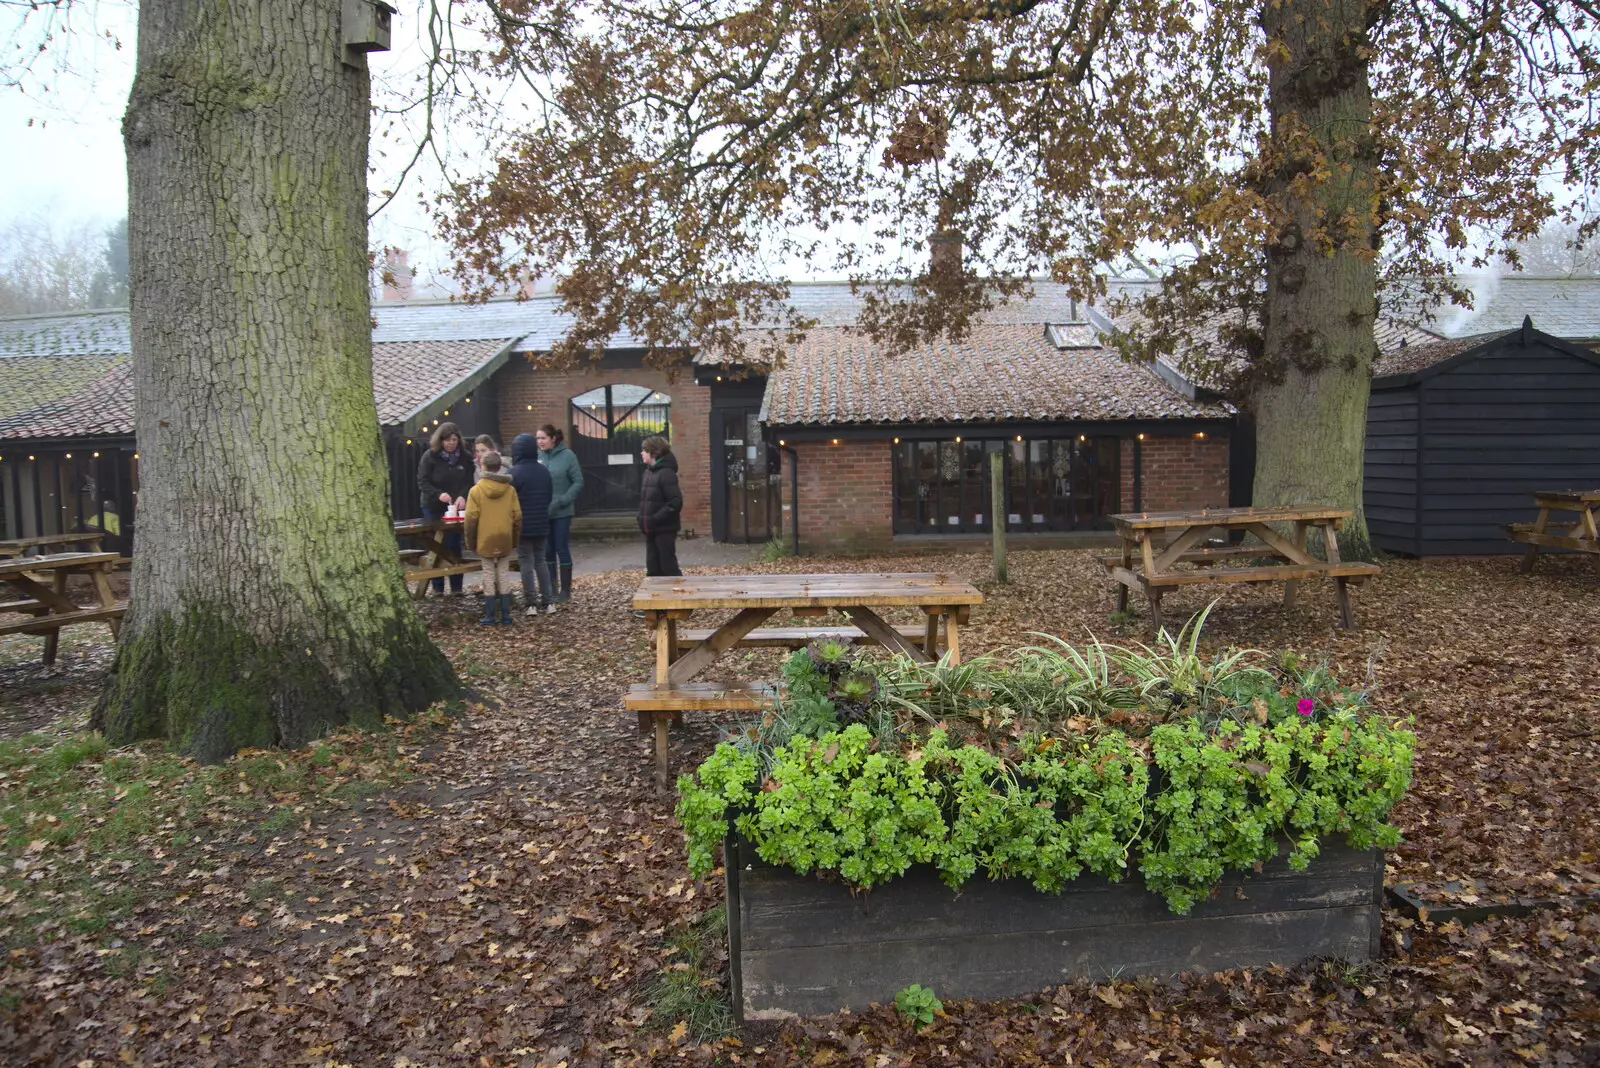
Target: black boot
[{"x": 564, "y": 593}]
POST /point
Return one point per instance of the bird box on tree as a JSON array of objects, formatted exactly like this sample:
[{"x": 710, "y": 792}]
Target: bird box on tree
[{"x": 366, "y": 27}]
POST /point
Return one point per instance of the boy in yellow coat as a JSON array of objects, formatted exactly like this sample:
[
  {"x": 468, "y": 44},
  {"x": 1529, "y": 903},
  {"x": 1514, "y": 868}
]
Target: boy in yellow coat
[{"x": 494, "y": 522}]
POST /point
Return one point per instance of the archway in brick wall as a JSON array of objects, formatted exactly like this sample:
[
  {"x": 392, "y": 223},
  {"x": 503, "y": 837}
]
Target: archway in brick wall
[{"x": 609, "y": 423}]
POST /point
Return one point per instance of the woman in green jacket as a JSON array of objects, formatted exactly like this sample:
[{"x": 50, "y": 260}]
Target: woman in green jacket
[{"x": 566, "y": 482}]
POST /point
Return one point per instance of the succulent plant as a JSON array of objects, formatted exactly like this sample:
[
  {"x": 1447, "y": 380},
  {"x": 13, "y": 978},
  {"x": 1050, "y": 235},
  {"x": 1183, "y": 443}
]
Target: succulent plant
[
  {"x": 852, "y": 695},
  {"x": 831, "y": 656}
]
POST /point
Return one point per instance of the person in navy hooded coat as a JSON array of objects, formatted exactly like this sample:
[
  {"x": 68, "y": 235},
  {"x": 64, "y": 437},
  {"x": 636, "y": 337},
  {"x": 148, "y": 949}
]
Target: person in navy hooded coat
[{"x": 531, "y": 480}]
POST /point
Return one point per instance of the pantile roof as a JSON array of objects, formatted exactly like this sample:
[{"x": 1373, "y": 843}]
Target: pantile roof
[
  {"x": 406, "y": 375},
  {"x": 64, "y": 395},
  {"x": 998, "y": 373},
  {"x": 1409, "y": 358}
]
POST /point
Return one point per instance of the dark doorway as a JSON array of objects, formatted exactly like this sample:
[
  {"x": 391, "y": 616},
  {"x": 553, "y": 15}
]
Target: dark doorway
[
  {"x": 750, "y": 477},
  {"x": 609, "y": 424}
]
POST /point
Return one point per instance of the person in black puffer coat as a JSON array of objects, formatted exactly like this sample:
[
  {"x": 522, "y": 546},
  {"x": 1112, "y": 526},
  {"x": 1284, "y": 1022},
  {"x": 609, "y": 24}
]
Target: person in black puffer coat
[
  {"x": 534, "y": 489},
  {"x": 444, "y": 477},
  {"x": 660, "y": 502}
]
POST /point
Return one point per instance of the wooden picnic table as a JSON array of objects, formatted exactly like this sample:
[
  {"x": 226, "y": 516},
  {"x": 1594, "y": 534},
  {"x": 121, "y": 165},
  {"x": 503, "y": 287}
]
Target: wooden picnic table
[
  {"x": 42, "y": 582},
  {"x": 1582, "y": 536},
  {"x": 434, "y": 560},
  {"x": 1182, "y": 537},
  {"x": 681, "y": 656},
  {"x": 88, "y": 540}
]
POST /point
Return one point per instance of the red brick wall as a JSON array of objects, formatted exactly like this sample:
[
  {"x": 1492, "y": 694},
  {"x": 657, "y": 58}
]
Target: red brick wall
[
  {"x": 846, "y": 496},
  {"x": 530, "y": 397},
  {"x": 847, "y": 490},
  {"x": 1179, "y": 472}
]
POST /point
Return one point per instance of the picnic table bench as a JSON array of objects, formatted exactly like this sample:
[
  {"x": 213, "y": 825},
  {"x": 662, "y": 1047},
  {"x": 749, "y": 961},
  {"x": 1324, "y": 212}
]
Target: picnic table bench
[
  {"x": 1581, "y": 537},
  {"x": 89, "y": 540},
  {"x": 1182, "y": 536},
  {"x": 42, "y": 582},
  {"x": 434, "y": 560},
  {"x": 681, "y": 656}
]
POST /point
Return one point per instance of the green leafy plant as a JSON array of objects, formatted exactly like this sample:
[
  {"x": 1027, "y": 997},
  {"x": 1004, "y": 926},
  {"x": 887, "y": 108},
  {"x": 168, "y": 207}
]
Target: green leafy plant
[
  {"x": 1053, "y": 762},
  {"x": 918, "y": 1005},
  {"x": 1224, "y": 801}
]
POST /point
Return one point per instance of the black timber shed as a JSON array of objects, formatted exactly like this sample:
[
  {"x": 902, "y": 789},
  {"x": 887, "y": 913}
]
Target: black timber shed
[{"x": 1461, "y": 432}]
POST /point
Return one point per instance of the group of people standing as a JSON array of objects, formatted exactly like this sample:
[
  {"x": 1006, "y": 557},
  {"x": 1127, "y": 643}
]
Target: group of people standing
[{"x": 526, "y": 508}]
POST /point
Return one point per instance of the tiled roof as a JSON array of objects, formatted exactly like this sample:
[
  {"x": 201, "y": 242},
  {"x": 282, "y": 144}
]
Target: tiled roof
[
  {"x": 65, "y": 396},
  {"x": 408, "y": 374},
  {"x": 100, "y": 333},
  {"x": 1418, "y": 357},
  {"x": 999, "y": 373},
  {"x": 48, "y": 396},
  {"x": 1567, "y": 308},
  {"x": 832, "y": 304},
  {"x": 1390, "y": 334}
]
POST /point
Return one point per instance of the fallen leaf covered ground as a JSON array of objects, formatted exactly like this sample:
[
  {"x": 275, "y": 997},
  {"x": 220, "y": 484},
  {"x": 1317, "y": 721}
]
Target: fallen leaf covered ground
[{"x": 509, "y": 887}]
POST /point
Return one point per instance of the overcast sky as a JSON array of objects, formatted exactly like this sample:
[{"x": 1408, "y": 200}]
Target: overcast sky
[
  {"x": 63, "y": 138},
  {"x": 63, "y": 130}
]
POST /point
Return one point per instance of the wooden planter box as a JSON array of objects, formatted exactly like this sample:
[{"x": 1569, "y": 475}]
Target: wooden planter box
[{"x": 803, "y": 947}]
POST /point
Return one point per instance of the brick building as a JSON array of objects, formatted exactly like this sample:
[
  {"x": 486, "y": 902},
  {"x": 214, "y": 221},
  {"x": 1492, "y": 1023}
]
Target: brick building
[
  {"x": 851, "y": 447},
  {"x": 880, "y": 452}
]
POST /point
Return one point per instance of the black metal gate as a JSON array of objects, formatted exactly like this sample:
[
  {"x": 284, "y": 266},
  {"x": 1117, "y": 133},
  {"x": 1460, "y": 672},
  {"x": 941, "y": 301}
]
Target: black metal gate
[{"x": 609, "y": 424}]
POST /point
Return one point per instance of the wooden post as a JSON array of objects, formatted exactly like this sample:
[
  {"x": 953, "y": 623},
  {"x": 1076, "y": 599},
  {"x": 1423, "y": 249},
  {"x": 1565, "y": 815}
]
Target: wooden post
[{"x": 997, "y": 512}]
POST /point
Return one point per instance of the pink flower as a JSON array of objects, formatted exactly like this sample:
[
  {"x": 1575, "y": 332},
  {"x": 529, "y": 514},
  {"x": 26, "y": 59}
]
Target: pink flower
[{"x": 1306, "y": 706}]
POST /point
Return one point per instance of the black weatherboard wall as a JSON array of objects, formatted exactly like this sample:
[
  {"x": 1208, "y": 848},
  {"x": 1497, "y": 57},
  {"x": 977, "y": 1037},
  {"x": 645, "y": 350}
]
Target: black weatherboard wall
[{"x": 1454, "y": 450}]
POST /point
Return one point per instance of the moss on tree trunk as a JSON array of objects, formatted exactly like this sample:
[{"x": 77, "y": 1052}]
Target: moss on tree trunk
[
  {"x": 1312, "y": 382},
  {"x": 267, "y": 602}
]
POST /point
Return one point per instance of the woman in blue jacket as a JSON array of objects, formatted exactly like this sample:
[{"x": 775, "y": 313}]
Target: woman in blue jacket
[{"x": 566, "y": 482}]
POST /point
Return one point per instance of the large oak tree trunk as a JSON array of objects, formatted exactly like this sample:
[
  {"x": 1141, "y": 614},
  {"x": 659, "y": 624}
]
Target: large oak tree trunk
[
  {"x": 1312, "y": 383},
  {"x": 267, "y": 602}
]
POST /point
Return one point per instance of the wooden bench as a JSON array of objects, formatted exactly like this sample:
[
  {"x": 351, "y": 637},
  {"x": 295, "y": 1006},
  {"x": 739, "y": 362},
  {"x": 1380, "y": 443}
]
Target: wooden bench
[
  {"x": 681, "y": 657},
  {"x": 90, "y": 540},
  {"x": 1581, "y": 535},
  {"x": 1153, "y": 543},
  {"x": 799, "y": 637},
  {"x": 658, "y": 706},
  {"x": 1203, "y": 557},
  {"x": 1353, "y": 572},
  {"x": 46, "y": 624},
  {"x": 698, "y": 697},
  {"x": 42, "y": 582}
]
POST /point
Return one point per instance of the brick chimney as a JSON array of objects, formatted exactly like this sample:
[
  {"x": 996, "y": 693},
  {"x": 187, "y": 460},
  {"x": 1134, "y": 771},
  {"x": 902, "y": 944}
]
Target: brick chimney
[
  {"x": 945, "y": 243},
  {"x": 944, "y": 252},
  {"x": 398, "y": 275}
]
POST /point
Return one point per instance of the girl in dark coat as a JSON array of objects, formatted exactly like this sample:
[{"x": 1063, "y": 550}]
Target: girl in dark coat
[
  {"x": 444, "y": 477},
  {"x": 660, "y": 502}
]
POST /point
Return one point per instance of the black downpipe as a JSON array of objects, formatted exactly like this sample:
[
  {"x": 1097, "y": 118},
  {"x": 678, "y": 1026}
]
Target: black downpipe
[{"x": 794, "y": 494}]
